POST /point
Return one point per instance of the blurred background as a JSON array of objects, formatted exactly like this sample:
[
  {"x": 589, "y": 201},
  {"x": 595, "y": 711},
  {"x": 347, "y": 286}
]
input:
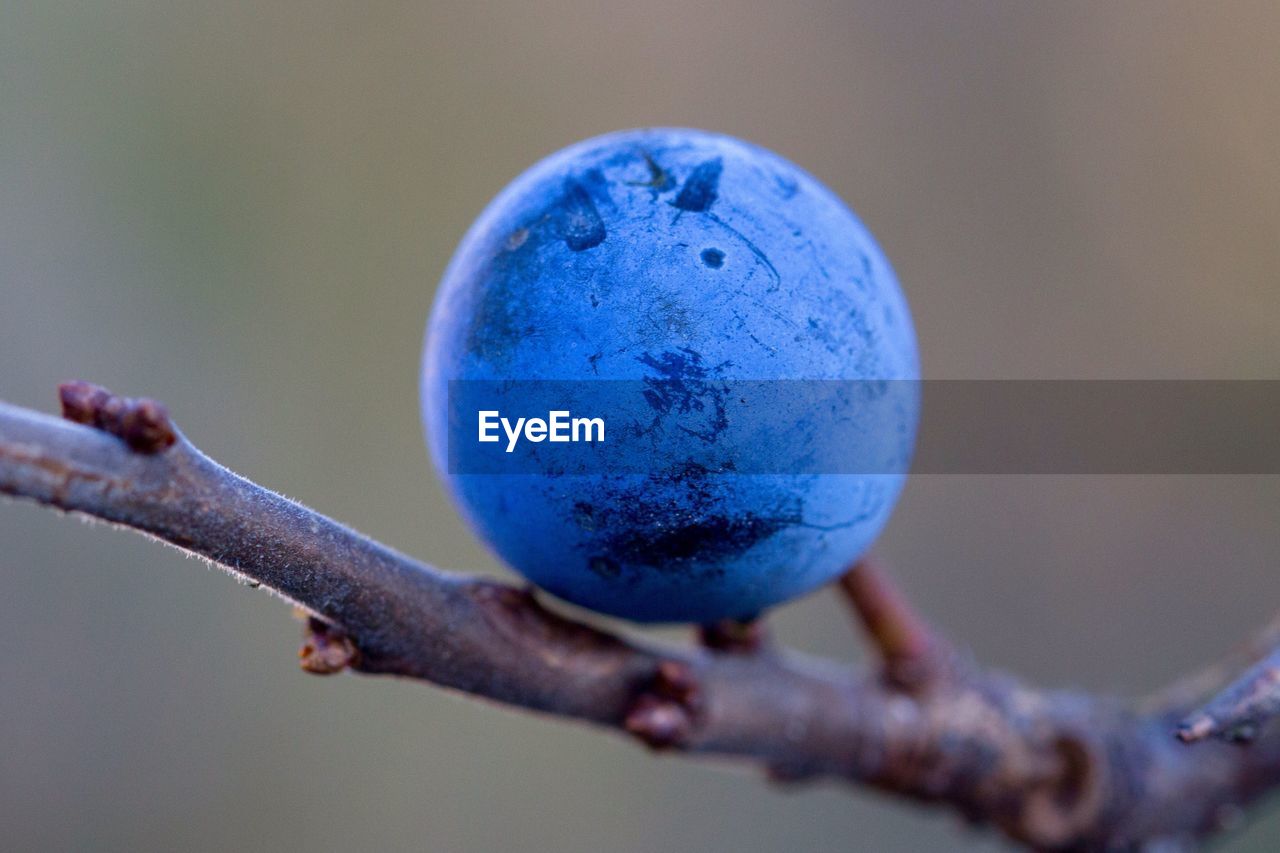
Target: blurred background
[{"x": 243, "y": 209}]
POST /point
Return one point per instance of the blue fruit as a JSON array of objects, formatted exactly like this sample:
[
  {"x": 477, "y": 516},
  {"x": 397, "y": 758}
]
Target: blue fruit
[{"x": 681, "y": 262}]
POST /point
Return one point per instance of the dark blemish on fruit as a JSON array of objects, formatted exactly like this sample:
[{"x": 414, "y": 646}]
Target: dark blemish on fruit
[
  {"x": 787, "y": 186},
  {"x": 686, "y": 386},
  {"x": 579, "y": 221},
  {"x": 709, "y": 534},
  {"x": 604, "y": 567},
  {"x": 709, "y": 539},
  {"x": 585, "y": 515},
  {"x": 692, "y": 537},
  {"x": 683, "y": 363},
  {"x": 700, "y": 190},
  {"x": 753, "y": 248},
  {"x": 659, "y": 181},
  {"x": 636, "y": 533},
  {"x": 713, "y": 258}
]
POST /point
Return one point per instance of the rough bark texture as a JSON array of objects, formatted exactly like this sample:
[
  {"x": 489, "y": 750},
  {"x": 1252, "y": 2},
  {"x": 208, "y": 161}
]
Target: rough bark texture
[{"x": 1052, "y": 770}]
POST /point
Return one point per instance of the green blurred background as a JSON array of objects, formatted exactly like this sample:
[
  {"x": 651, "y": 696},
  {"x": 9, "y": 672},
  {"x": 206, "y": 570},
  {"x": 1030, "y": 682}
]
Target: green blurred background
[{"x": 243, "y": 209}]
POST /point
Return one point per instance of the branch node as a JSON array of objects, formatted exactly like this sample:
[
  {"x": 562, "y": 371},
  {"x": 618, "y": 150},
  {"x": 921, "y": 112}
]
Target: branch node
[
  {"x": 1071, "y": 795},
  {"x": 1238, "y": 711},
  {"x": 143, "y": 423},
  {"x": 326, "y": 649},
  {"x": 517, "y": 613},
  {"x": 664, "y": 713}
]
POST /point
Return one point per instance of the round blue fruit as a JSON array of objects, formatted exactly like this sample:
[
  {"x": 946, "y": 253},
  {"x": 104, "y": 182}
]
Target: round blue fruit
[{"x": 733, "y": 325}]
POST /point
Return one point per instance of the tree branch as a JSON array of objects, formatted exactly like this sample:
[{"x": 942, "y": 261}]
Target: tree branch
[
  {"x": 1237, "y": 711},
  {"x": 1054, "y": 770}
]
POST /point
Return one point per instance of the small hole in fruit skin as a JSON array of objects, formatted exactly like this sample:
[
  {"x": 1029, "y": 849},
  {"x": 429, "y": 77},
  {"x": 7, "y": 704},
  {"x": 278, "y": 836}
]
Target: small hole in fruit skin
[{"x": 713, "y": 258}]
